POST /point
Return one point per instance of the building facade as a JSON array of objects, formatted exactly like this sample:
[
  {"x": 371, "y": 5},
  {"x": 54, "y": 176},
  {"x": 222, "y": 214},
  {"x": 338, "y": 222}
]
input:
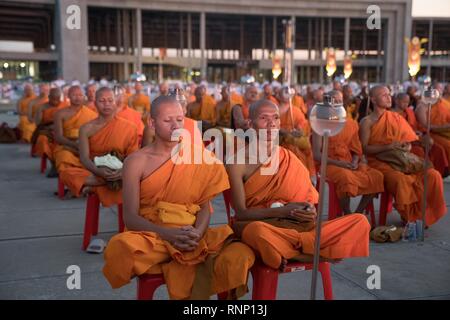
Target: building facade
[{"x": 216, "y": 40}]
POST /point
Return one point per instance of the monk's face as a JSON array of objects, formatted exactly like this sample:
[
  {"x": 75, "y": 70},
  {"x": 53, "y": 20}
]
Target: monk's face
[
  {"x": 251, "y": 95},
  {"x": 54, "y": 98},
  {"x": 76, "y": 96},
  {"x": 447, "y": 90},
  {"x": 337, "y": 86},
  {"x": 268, "y": 118},
  {"x": 199, "y": 93},
  {"x": 382, "y": 98},
  {"x": 105, "y": 103},
  {"x": 44, "y": 89},
  {"x": 318, "y": 95},
  {"x": 284, "y": 95},
  {"x": 267, "y": 90},
  {"x": 138, "y": 87},
  {"x": 169, "y": 119},
  {"x": 121, "y": 100},
  {"x": 337, "y": 98},
  {"x": 164, "y": 89},
  {"x": 348, "y": 92},
  {"x": 90, "y": 92},
  {"x": 28, "y": 90},
  {"x": 225, "y": 94},
  {"x": 402, "y": 103}
]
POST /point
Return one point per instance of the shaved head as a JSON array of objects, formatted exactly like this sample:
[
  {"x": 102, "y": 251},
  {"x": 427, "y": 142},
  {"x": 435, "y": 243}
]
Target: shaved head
[
  {"x": 73, "y": 89},
  {"x": 337, "y": 96},
  {"x": 159, "y": 102},
  {"x": 55, "y": 92},
  {"x": 375, "y": 90},
  {"x": 101, "y": 91},
  {"x": 256, "y": 106}
]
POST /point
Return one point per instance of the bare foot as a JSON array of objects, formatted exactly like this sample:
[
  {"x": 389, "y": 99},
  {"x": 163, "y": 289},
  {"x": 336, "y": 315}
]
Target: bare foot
[
  {"x": 68, "y": 195},
  {"x": 283, "y": 264},
  {"x": 86, "y": 191}
]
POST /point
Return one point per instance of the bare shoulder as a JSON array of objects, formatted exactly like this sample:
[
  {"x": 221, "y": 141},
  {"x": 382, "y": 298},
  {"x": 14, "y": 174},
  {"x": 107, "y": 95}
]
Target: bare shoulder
[{"x": 366, "y": 122}]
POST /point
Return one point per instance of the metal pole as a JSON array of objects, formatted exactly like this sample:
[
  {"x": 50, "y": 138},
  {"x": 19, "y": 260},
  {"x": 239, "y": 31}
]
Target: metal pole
[
  {"x": 323, "y": 173},
  {"x": 425, "y": 174}
]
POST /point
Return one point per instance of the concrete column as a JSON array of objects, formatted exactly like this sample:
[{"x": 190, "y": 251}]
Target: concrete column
[
  {"x": 379, "y": 55},
  {"x": 322, "y": 44},
  {"x": 71, "y": 38},
  {"x": 274, "y": 34},
  {"x": 119, "y": 31},
  {"x": 407, "y": 16},
  {"x": 347, "y": 36},
  {"x": 138, "y": 30},
  {"x": 309, "y": 39},
  {"x": 430, "y": 46},
  {"x": 203, "y": 44},
  {"x": 293, "y": 67},
  {"x": 181, "y": 35}
]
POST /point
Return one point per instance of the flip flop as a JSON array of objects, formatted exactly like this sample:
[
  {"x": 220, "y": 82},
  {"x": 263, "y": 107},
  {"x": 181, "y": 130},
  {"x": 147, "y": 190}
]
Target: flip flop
[{"x": 96, "y": 246}]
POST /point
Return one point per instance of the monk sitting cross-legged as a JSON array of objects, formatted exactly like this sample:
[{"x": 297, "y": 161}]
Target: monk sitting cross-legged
[
  {"x": 67, "y": 125},
  {"x": 167, "y": 213},
  {"x": 347, "y": 168},
  {"x": 106, "y": 135},
  {"x": 386, "y": 138},
  {"x": 274, "y": 203},
  {"x": 22, "y": 108}
]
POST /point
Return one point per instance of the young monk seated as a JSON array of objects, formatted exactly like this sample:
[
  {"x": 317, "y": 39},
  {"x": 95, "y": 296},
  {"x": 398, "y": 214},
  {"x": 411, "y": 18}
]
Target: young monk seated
[
  {"x": 106, "y": 135},
  {"x": 437, "y": 152},
  {"x": 386, "y": 138},
  {"x": 29, "y": 126},
  {"x": 90, "y": 95},
  {"x": 275, "y": 212},
  {"x": 295, "y": 130},
  {"x": 140, "y": 102},
  {"x": 43, "y": 136},
  {"x": 203, "y": 108},
  {"x": 22, "y": 107},
  {"x": 223, "y": 109},
  {"x": 67, "y": 125},
  {"x": 127, "y": 113},
  {"x": 166, "y": 213},
  {"x": 347, "y": 168}
]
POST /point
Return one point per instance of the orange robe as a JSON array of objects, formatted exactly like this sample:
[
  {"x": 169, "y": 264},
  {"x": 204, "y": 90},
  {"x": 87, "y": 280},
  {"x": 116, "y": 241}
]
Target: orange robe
[
  {"x": 270, "y": 98},
  {"x": 407, "y": 189},
  {"x": 207, "y": 110},
  {"x": 141, "y": 103},
  {"x": 118, "y": 135},
  {"x": 437, "y": 154},
  {"x": 297, "y": 101},
  {"x": 65, "y": 158},
  {"x": 440, "y": 115},
  {"x": 185, "y": 186},
  {"x": 295, "y": 119},
  {"x": 43, "y": 144},
  {"x": 344, "y": 237},
  {"x": 225, "y": 114},
  {"x": 236, "y": 98},
  {"x": 133, "y": 116},
  {"x": 351, "y": 183},
  {"x": 29, "y": 127},
  {"x": 23, "y": 108}
]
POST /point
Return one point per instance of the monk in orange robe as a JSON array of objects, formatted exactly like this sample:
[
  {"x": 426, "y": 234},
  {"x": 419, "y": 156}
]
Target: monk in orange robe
[
  {"x": 269, "y": 204},
  {"x": 107, "y": 134},
  {"x": 22, "y": 107},
  {"x": 166, "y": 213},
  {"x": 295, "y": 131},
  {"x": 384, "y": 130},
  {"x": 90, "y": 94},
  {"x": 240, "y": 112},
  {"x": 268, "y": 94},
  {"x": 140, "y": 102},
  {"x": 347, "y": 167},
  {"x": 437, "y": 153},
  {"x": 223, "y": 109},
  {"x": 44, "y": 133},
  {"x": 298, "y": 102},
  {"x": 33, "y": 106},
  {"x": 440, "y": 122},
  {"x": 349, "y": 102},
  {"x": 203, "y": 108},
  {"x": 127, "y": 113},
  {"x": 67, "y": 125}
]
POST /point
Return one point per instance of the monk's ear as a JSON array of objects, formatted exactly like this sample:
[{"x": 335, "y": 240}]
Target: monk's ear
[{"x": 151, "y": 123}]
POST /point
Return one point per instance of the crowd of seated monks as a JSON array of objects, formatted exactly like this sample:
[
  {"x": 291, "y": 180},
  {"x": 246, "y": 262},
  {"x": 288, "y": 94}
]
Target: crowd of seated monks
[{"x": 132, "y": 151}]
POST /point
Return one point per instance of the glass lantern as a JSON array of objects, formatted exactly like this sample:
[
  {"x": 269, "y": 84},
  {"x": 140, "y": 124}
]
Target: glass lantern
[{"x": 328, "y": 117}]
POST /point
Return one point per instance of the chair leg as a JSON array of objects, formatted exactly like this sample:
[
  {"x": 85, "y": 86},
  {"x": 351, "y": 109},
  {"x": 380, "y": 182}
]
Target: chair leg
[
  {"x": 385, "y": 207},
  {"x": 60, "y": 189},
  {"x": 120, "y": 217},
  {"x": 324, "y": 269},
  {"x": 92, "y": 206},
  {"x": 265, "y": 282},
  {"x": 371, "y": 210},
  {"x": 334, "y": 210},
  {"x": 147, "y": 286},
  {"x": 96, "y": 211},
  {"x": 43, "y": 163}
]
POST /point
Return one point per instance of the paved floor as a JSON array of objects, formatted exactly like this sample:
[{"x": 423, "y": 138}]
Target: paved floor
[{"x": 40, "y": 236}]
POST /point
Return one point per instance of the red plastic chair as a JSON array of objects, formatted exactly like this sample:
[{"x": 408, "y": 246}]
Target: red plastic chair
[
  {"x": 43, "y": 163},
  {"x": 265, "y": 279},
  {"x": 385, "y": 207},
  {"x": 334, "y": 209},
  {"x": 92, "y": 218}
]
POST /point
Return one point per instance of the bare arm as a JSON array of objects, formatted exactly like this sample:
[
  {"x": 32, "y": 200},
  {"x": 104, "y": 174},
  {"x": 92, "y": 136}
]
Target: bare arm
[
  {"x": 83, "y": 148},
  {"x": 202, "y": 219},
  {"x": 421, "y": 115},
  {"x": 59, "y": 132}
]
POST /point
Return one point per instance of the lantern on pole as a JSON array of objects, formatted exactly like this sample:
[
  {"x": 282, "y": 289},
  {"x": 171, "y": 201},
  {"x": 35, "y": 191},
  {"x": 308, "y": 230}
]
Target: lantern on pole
[
  {"x": 331, "y": 62},
  {"x": 348, "y": 68}
]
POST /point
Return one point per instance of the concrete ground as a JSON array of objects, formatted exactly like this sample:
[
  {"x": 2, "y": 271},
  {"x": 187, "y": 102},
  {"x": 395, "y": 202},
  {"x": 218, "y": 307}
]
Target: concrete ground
[{"x": 40, "y": 236}]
